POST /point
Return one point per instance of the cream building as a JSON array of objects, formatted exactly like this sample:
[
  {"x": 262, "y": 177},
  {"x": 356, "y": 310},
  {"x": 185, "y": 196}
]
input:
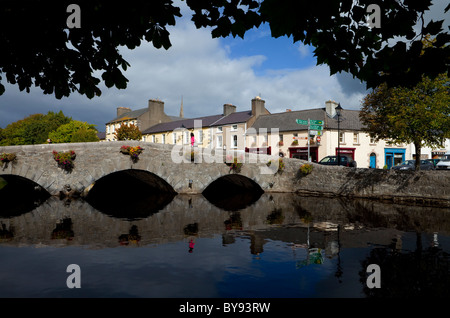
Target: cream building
[
  {"x": 281, "y": 131},
  {"x": 142, "y": 118},
  {"x": 225, "y": 131}
]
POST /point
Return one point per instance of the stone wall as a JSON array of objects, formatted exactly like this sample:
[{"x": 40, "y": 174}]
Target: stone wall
[{"x": 96, "y": 160}]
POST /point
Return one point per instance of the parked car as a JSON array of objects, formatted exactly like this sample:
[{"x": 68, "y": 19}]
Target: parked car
[
  {"x": 333, "y": 161},
  {"x": 411, "y": 165},
  {"x": 444, "y": 163},
  {"x": 433, "y": 161}
]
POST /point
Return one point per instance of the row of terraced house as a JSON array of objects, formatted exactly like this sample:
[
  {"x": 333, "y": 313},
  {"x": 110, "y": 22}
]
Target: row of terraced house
[{"x": 258, "y": 130}]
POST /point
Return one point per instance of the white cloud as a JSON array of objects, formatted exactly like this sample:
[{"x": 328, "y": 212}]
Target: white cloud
[
  {"x": 198, "y": 68},
  {"x": 303, "y": 50}
]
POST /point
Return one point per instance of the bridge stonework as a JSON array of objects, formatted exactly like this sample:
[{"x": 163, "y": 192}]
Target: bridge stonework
[{"x": 98, "y": 159}]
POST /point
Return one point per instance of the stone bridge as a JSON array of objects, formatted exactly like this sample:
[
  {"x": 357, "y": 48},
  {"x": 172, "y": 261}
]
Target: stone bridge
[{"x": 158, "y": 166}]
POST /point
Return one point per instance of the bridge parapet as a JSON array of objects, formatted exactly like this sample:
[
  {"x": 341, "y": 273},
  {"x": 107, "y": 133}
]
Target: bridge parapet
[{"x": 98, "y": 159}]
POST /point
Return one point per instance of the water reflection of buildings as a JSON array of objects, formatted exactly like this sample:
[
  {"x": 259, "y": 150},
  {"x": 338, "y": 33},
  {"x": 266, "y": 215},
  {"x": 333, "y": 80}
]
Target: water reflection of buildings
[{"x": 276, "y": 217}]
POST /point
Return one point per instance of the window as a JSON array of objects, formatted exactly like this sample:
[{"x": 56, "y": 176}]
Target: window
[
  {"x": 174, "y": 138},
  {"x": 281, "y": 137},
  {"x": 219, "y": 129},
  {"x": 264, "y": 144},
  {"x": 186, "y": 137},
  {"x": 112, "y": 128},
  {"x": 200, "y": 136},
  {"x": 234, "y": 127},
  {"x": 153, "y": 138},
  {"x": 219, "y": 142},
  {"x": 372, "y": 140},
  {"x": 234, "y": 141},
  {"x": 355, "y": 138},
  {"x": 163, "y": 138},
  {"x": 341, "y": 137}
]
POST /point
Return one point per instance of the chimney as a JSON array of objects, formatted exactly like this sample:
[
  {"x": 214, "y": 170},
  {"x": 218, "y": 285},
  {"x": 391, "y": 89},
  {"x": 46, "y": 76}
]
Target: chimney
[
  {"x": 288, "y": 110},
  {"x": 122, "y": 110},
  {"x": 258, "y": 107},
  {"x": 228, "y": 109},
  {"x": 156, "y": 108},
  {"x": 330, "y": 107}
]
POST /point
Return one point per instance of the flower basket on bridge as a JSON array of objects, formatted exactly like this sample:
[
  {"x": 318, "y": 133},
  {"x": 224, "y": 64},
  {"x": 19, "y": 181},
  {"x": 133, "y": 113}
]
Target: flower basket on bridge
[
  {"x": 306, "y": 169},
  {"x": 133, "y": 152},
  {"x": 6, "y": 158},
  {"x": 234, "y": 163},
  {"x": 65, "y": 159}
]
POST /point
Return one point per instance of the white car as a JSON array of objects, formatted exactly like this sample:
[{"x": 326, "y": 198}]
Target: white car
[{"x": 444, "y": 163}]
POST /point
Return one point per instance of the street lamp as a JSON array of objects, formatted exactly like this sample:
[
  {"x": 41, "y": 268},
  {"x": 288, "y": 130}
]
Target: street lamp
[{"x": 338, "y": 113}]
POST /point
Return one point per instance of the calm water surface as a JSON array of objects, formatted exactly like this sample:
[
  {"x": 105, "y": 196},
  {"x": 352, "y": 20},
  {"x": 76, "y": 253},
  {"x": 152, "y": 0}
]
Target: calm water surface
[{"x": 282, "y": 245}]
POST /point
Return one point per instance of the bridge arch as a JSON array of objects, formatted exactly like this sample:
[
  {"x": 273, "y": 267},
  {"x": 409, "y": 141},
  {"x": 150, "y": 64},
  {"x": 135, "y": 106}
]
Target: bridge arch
[
  {"x": 20, "y": 195},
  {"x": 130, "y": 193},
  {"x": 233, "y": 192}
]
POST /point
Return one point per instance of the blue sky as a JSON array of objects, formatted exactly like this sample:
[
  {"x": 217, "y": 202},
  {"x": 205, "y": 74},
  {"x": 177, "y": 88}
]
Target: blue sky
[{"x": 206, "y": 73}]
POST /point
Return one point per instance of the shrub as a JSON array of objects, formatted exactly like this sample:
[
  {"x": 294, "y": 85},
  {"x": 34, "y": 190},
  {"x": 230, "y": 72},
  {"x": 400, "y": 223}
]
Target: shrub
[
  {"x": 280, "y": 165},
  {"x": 306, "y": 169}
]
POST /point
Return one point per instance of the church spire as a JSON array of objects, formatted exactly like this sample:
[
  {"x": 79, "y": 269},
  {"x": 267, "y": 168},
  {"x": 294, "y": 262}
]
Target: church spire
[{"x": 181, "y": 108}]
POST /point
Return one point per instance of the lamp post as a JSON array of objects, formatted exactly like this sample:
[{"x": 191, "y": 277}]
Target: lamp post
[{"x": 338, "y": 113}]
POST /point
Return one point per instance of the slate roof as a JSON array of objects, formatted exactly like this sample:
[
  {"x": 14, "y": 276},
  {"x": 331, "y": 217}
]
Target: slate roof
[
  {"x": 233, "y": 118},
  {"x": 129, "y": 115},
  {"x": 101, "y": 135},
  {"x": 207, "y": 121},
  {"x": 187, "y": 123},
  {"x": 286, "y": 121}
]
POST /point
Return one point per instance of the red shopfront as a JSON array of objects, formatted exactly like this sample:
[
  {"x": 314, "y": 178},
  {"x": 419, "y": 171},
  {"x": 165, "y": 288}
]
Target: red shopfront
[
  {"x": 260, "y": 151},
  {"x": 302, "y": 153},
  {"x": 346, "y": 151}
]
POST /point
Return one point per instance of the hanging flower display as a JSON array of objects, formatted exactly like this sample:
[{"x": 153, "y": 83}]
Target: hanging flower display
[
  {"x": 65, "y": 159},
  {"x": 6, "y": 158},
  {"x": 234, "y": 163},
  {"x": 133, "y": 152}
]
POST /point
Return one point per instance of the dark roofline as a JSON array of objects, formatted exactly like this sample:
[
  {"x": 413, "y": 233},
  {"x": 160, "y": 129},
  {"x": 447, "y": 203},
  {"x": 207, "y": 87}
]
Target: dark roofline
[
  {"x": 118, "y": 119},
  {"x": 188, "y": 123}
]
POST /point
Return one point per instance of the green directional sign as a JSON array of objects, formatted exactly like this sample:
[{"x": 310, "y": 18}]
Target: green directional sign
[
  {"x": 316, "y": 122},
  {"x": 316, "y": 127},
  {"x": 301, "y": 122}
]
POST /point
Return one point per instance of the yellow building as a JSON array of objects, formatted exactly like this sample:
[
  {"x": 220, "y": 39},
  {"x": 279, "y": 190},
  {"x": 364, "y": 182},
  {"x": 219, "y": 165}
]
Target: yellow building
[
  {"x": 142, "y": 118},
  {"x": 226, "y": 130}
]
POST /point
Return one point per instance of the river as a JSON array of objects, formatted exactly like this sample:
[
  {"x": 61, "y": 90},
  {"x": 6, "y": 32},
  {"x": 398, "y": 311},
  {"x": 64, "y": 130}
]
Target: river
[{"x": 280, "y": 246}]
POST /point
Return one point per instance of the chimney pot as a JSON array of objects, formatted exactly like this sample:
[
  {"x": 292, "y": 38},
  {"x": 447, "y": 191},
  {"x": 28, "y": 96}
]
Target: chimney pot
[
  {"x": 330, "y": 108},
  {"x": 228, "y": 109}
]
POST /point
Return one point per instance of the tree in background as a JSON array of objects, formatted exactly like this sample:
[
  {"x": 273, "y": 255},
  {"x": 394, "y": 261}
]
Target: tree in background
[
  {"x": 418, "y": 115},
  {"x": 44, "y": 51},
  {"x": 33, "y": 129},
  {"x": 128, "y": 132},
  {"x": 74, "y": 131}
]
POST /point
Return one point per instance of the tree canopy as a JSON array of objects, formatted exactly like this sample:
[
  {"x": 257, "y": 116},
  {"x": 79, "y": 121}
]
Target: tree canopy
[
  {"x": 33, "y": 129},
  {"x": 39, "y": 48},
  {"x": 418, "y": 115},
  {"x": 128, "y": 132},
  {"x": 74, "y": 131},
  {"x": 37, "y": 128}
]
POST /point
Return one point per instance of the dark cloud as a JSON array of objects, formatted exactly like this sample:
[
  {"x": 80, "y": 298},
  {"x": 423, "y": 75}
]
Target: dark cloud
[{"x": 350, "y": 85}]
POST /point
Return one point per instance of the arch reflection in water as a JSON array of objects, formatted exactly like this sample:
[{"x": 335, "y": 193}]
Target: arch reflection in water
[
  {"x": 233, "y": 192},
  {"x": 19, "y": 195},
  {"x": 130, "y": 194}
]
